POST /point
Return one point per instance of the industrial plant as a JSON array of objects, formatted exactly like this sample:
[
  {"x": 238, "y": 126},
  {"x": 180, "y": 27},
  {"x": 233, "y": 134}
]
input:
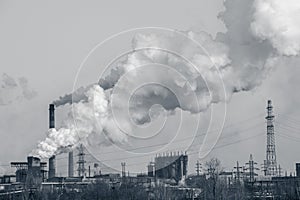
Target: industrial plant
[{"x": 33, "y": 179}]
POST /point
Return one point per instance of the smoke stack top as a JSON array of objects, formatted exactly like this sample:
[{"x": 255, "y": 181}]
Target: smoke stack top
[
  {"x": 92, "y": 117},
  {"x": 51, "y": 116}
]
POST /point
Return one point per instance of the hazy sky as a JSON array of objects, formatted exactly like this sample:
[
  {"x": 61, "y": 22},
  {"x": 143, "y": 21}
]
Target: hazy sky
[{"x": 45, "y": 42}]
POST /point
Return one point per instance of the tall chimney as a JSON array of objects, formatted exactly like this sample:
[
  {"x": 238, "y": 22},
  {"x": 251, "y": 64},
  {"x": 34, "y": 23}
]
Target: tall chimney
[
  {"x": 51, "y": 116},
  {"x": 52, "y": 163},
  {"x": 51, "y": 167},
  {"x": 71, "y": 164}
]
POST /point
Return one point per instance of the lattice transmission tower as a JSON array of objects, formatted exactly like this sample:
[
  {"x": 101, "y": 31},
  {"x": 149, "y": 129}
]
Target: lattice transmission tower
[{"x": 271, "y": 163}]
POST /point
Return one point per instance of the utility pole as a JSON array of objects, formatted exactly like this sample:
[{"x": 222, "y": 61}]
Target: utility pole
[
  {"x": 198, "y": 168},
  {"x": 81, "y": 161},
  {"x": 271, "y": 163},
  {"x": 238, "y": 181}
]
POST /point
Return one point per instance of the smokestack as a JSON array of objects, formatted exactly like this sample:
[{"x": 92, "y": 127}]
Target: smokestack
[
  {"x": 51, "y": 125},
  {"x": 51, "y": 116},
  {"x": 71, "y": 164},
  {"x": 51, "y": 167}
]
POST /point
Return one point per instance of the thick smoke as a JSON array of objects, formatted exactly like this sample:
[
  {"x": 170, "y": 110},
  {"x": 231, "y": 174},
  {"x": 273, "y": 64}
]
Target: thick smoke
[
  {"x": 278, "y": 22},
  {"x": 244, "y": 59},
  {"x": 75, "y": 97},
  {"x": 91, "y": 117},
  {"x": 258, "y": 33},
  {"x": 12, "y": 90}
]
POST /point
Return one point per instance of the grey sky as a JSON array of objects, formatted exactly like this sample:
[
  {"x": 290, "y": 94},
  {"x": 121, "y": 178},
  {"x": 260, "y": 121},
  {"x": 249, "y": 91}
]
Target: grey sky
[{"x": 46, "y": 42}]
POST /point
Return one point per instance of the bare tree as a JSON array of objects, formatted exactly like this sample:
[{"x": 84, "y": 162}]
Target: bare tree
[{"x": 213, "y": 168}]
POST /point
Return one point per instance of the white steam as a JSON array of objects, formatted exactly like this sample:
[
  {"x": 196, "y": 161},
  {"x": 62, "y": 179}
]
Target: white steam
[
  {"x": 91, "y": 117},
  {"x": 278, "y": 21},
  {"x": 258, "y": 33}
]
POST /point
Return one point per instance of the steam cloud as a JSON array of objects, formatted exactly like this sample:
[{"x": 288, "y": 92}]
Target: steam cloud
[
  {"x": 278, "y": 22},
  {"x": 13, "y": 90},
  {"x": 91, "y": 117},
  {"x": 258, "y": 33}
]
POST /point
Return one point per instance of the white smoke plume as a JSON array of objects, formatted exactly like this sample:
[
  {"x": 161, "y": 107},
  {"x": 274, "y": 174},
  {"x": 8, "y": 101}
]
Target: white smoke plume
[
  {"x": 278, "y": 22},
  {"x": 91, "y": 117},
  {"x": 258, "y": 33},
  {"x": 75, "y": 97},
  {"x": 243, "y": 57},
  {"x": 13, "y": 90}
]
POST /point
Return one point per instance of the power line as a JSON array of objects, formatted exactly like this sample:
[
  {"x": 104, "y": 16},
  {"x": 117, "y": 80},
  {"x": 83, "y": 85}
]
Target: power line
[
  {"x": 186, "y": 138},
  {"x": 189, "y": 153},
  {"x": 288, "y": 132},
  {"x": 182, "y": 140},
  {"x": 290, "y": 118},
  {"x": 288, "y": 126},
  {"x": 216, "y": 147},
  {"x": 176, "y": 148},
  {"x": 241, "y": 140},
  {"x": 289, "y": 137}
]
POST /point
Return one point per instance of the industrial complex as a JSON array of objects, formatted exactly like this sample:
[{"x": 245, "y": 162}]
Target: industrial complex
[{"x": 168, "y": 171}]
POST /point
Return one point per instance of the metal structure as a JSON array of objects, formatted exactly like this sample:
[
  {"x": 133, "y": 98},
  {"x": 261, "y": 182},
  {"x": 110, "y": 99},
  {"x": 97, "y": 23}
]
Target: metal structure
[
  {"x": 238, "y": 171},
  {"x": 279, "y": 172},
  {"x": 198, "y": 168},
  {"x": 81, "y": 161},
  {"x": 251, "y": 168},
  {"x": 271, "y": 163}
]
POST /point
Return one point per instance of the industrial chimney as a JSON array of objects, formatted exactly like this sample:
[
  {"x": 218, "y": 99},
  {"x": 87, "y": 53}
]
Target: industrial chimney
[
  {"x": 71, "y": 164},
  {"x": 51, "y": 116},
  {"x": 51, "y": 167},
  {"x": 52, "y": 163}
]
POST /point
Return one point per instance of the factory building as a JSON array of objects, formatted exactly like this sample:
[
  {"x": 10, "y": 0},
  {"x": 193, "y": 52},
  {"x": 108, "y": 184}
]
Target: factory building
[
  {"x": 32, "y": 172},
  {"x": 171, "y": 166}
]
